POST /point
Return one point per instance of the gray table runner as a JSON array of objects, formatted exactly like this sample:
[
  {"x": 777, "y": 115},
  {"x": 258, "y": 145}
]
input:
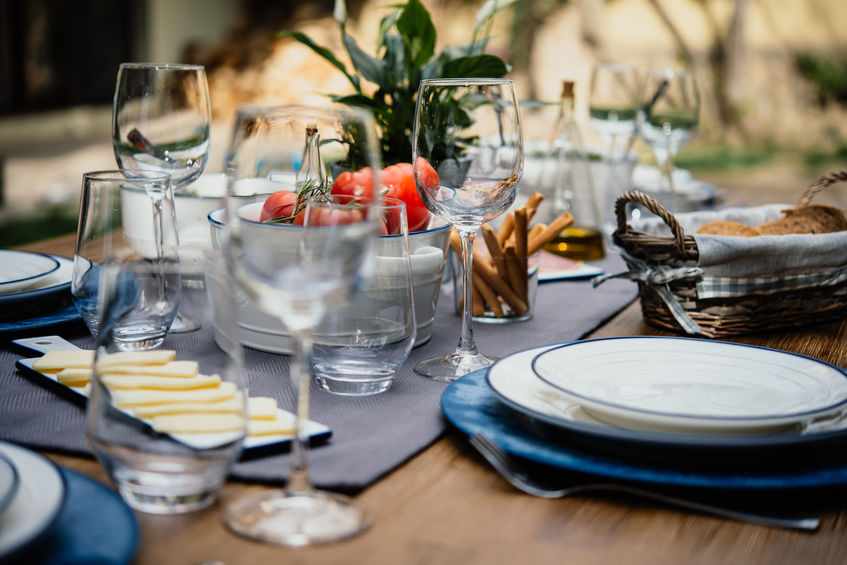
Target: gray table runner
[{"x": 370, "y": 435}]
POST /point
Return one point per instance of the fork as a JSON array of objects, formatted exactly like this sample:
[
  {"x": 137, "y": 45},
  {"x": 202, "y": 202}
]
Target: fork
[{"x": 510, "y": 470}]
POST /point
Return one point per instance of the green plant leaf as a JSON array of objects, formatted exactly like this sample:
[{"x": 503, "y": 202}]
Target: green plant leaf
[
  {"x": 475, "y": 66},
  {"x": 370, "y": 68},
  {"x": 361, "y": 101},
  {"x": 323, "y": 52},
  {"x": 394, "y": 59},
  {"x": 385, "y": 24},
  {"x": 418, "y": 30}
]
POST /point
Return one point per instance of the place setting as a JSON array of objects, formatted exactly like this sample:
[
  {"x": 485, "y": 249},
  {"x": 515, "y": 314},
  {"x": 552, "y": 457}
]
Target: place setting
[{"x": 672, "y": 413}]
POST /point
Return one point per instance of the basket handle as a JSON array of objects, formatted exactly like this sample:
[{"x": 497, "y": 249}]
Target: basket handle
[
  {"x": 652, "y": 205},
  {"x": 822, "y": 183}
]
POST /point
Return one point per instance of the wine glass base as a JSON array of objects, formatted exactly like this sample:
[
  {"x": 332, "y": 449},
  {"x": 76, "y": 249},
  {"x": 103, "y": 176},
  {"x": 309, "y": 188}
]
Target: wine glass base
[
  {"x": 183, "y": 324},
  {"x": 451, "y": 367},
  {"x": 296, "y": 519}
]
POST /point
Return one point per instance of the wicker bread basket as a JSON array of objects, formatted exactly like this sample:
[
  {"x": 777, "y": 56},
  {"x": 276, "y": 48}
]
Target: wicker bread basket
[{"x": 668, "y": 276}]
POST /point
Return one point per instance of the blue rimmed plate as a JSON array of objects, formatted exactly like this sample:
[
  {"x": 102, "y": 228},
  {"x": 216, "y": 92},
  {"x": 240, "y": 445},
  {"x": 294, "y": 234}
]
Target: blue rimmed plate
[
  {"x": 21, "y": 269},
  {"x": 688, "y": 385},
  {"x": 55, "y": 282},
  {"x": 472, "y": 407}
]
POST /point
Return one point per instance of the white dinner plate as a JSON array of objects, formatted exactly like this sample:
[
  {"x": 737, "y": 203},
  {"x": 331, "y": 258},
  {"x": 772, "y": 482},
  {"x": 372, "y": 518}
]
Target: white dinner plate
[
  {"x": 55, "y": 282},
  {"x": 20, "y": 269},
  {"x": 693, "y": 385},
  {"x": 36, "y": 503},
  {"x": 8, "y": 482}
]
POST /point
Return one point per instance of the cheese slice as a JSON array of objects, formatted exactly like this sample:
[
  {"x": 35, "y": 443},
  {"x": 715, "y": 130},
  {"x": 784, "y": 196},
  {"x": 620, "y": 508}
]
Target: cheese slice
[
  {"x": 58, "y": 360},
  {"x": 183, "y": 369},
  {"x": 230, "y": 406},
  {"x": 278, "y": 426},
  {"x": 198, "y": 423},
  {"x": 261, "y": 408},
  {"x": 155, "y": 357},
  {"x": 74, "y": 376},
  {"x": 160, "y": 383},
  {"x": 130, "y": 398}
]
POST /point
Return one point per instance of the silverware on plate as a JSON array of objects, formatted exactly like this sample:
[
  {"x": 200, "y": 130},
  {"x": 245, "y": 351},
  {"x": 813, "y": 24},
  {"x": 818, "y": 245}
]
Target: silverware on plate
[{"x": 510, "y": 469}]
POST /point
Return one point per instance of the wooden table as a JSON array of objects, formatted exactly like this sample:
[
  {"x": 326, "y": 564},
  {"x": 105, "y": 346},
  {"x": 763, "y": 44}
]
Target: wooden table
[{"x": 448, "y": 506}]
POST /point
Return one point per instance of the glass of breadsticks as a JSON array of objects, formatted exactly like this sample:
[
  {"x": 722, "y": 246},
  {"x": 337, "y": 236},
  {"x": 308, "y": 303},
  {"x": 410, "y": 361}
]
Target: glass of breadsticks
[{"x": 505, "y": 273}]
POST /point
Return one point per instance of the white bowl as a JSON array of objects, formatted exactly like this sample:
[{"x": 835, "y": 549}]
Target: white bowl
[{"x": 265, "y": 332}]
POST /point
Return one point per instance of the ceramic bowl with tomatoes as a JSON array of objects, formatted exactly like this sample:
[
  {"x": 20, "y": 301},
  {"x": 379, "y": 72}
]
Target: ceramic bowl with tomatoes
[{"x": 265, "y": 332}]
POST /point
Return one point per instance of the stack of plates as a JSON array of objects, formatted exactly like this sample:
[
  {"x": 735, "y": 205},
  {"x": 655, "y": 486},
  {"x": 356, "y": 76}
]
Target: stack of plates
[
  {"x": 54, "y": 515},
  {"x": 675, "y": 411},
  {"x": 34, "y": 291}
]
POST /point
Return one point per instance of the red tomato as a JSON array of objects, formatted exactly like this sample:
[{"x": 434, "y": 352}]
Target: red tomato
[
  {"x": 360, "y": 183},
  {"x": 399, "y": 182},
  {"x": 280, "y": 204}
]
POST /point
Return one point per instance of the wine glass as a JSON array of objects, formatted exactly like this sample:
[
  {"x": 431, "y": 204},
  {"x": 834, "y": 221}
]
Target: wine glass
[
  {"x": 300, "y": 273},
  {"x": 160, "y": 121},
  {"x": 669, "y": 115},
  {"x": 612, "y": 109},
  {"x": 469, "y": 132}
]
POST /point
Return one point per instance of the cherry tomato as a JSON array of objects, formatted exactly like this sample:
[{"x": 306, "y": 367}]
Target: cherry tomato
[
  {"x": 359, "y": 183},
  {"x": 427, "y": 177},
  {"x": 280, "y": 204},
  {"x": 336, "y": 216},
  {"x": 399, "y": 182}
]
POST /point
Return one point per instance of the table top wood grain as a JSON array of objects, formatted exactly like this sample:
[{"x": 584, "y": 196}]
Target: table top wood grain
[{"x": 446, "y": 505}]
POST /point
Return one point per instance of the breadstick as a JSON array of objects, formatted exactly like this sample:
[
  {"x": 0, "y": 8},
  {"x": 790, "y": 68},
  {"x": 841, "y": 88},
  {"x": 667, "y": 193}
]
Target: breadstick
[
  {"x": 506, "y": 228},
  {"x": 517, "y": 274},
  {"x": 520, "y": 237},
  {"x": 534, "y": 231},
  {"x": 532, "y": 204},
  {"x": 491, "y": 277},
  {"x": 477, "y": 300},
  {"x": 550, "y": 232},
  {"x": 488, "y": 296},
  {"x": 494, "y": 250}
]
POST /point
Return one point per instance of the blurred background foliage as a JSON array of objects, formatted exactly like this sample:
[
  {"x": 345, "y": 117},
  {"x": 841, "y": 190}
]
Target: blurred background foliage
[{"x": 773, "y": 77}]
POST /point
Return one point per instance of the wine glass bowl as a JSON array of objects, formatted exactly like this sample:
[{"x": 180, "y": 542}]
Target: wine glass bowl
[
  {"x": 613, "y": 103},
  {"x": 160, "y": 120},
  {"x": 668, "y": 117},
  {"x": 468, "y": 161}
]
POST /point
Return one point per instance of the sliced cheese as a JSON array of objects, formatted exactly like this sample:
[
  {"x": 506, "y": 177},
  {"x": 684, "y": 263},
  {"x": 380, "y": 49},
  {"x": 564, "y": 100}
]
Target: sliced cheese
[
  {"x": 74, "y": 376},
  {"x": 155, "y": 357},
  {"x": 232, "y": 406},
  {"x": 130, "y": 398},
  {"x": 198, "y": 423},
  {"x": 58, "y": 360},
  {"x": 278, "y": 426},
  {"x": 160, "y": 383},
  {"x": 261, "y": 408},
  {"x": 183, "y": 369}
]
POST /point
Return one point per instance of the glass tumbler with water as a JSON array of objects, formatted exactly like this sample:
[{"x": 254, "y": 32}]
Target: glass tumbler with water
[{"x": 126, "y": 221}]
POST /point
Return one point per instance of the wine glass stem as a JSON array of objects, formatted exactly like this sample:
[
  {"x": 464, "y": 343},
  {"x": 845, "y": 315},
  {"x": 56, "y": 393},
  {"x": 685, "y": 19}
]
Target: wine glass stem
[
  {"x": 466, "y": 342},
  {"x": 298, "y": 481},
  {"x": 668, "y": 166}
]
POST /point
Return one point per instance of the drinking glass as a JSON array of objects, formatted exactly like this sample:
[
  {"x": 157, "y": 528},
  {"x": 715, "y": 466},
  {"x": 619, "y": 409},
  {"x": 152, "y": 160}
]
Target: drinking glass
[
  {"x": 300, "y": 273},
  {"x": 358, "y": 349},
  {"x": 669, "y": 116},
  {"x": 164, "y": 458},
  {"x": 126, "y": 221},
  {"x": 469, "y": 132},
  {"x": 160, "y": 121}
]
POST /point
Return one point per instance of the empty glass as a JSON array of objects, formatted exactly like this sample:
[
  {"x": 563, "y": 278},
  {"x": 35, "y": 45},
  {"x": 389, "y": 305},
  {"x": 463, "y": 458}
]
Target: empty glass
[
  {"x": 359, "y": 348},
  {"x": 126, "y": 221}
]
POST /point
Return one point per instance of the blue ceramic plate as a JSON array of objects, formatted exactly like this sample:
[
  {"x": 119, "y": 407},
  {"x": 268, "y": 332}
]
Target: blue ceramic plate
[
  {"x": 61, "y": 316},
  {"x": 20, "y": 269},
  {"x": 94, "y": 526},
  {"x": 471, "y": 406}
]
